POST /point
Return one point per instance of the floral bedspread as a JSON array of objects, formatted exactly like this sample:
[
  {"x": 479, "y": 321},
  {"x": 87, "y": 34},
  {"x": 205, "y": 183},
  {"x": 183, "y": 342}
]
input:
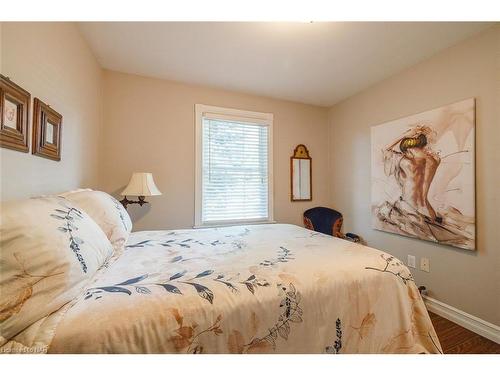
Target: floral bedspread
[{"x": 248, "y": 289}]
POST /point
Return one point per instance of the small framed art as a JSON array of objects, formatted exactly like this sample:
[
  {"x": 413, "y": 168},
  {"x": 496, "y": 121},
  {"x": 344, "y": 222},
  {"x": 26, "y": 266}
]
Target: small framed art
[
  {"x": 14, "y": 114},
  {"x": 47, "y": 127}
]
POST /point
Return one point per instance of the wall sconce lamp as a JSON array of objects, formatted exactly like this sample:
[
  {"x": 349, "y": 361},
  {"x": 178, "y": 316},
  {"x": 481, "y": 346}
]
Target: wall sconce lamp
[{"x": 141, "y": 185}]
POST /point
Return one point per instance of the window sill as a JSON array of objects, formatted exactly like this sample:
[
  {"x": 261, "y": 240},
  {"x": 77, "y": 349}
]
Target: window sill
[{"x": 232, "y": 224}]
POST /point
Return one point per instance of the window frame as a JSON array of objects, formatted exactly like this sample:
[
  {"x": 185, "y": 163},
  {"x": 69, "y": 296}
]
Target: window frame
[{"x": 237, "y": 115}]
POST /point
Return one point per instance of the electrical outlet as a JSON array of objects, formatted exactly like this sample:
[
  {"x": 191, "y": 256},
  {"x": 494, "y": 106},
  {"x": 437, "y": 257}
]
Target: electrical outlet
[
  {"x": 425, "y": 264},
  {"x": 411, "y": 261}
]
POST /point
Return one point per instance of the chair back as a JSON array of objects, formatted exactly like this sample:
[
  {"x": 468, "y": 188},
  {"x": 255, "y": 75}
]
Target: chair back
[{"x": 324, "y": 220}]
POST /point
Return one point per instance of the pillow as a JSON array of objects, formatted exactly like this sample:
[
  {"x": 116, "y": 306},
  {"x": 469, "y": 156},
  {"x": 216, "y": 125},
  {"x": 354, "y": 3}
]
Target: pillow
[
  {"x": 107, "y": 212},
  {"x": 49, "y": 250},
  {"x": 66, "y": 193},
  {"x": 63, "y": 194}
]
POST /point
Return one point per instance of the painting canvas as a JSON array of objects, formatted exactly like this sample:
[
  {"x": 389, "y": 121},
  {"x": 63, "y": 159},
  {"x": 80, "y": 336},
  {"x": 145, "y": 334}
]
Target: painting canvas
[{"x": 423, "y": 179}]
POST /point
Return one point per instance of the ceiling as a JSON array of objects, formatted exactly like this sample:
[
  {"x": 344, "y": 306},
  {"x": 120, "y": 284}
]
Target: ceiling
[{"x": 314, "y": 63}]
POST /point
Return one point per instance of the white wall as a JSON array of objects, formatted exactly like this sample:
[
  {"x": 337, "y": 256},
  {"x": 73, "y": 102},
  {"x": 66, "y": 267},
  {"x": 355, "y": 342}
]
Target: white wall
[{"x": 53, "y": 63}]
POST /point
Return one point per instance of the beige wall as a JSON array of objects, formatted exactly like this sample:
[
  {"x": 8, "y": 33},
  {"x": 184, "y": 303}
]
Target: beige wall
[
  {"x": 466, "y": 280},
  {"x": 149, "y": 126},
  {"x": 53, "y": 63}
]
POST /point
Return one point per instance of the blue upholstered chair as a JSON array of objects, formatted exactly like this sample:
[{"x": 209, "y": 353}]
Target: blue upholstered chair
[{"x": 327, "y": 221}]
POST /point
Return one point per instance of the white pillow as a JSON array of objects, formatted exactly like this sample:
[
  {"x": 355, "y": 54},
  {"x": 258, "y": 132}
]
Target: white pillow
[
  {"x": 107, "y": 212},
  {"x": 66, "y": 193},
  {"x": 49, "y": 250}
]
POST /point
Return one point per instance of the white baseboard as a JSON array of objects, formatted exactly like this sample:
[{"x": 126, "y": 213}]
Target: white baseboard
[{"x": 468, "y": 321}]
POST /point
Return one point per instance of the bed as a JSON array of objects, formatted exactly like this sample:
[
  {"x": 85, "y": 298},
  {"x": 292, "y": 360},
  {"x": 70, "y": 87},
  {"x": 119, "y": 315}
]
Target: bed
[{"x": 272, "y": 288}]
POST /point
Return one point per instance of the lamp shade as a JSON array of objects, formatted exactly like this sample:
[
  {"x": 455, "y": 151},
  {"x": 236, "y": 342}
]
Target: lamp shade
[{"x": 141, "y": 184}]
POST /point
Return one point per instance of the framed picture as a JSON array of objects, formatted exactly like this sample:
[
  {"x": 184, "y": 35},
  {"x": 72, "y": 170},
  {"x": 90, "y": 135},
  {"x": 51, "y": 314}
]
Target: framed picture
[
  {"x": 14, "y": 114},
  {"x": 47, "y": 127},
  {"x": 423, "y": 178}
]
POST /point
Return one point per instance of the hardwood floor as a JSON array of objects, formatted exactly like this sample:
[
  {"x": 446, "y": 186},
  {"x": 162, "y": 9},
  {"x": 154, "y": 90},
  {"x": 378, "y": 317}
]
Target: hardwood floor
[{"x": 458, "y": 340}]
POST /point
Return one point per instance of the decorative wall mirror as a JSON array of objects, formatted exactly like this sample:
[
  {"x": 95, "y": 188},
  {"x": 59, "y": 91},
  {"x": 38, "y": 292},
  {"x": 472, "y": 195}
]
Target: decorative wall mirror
[{"x": 301, "y": 174}]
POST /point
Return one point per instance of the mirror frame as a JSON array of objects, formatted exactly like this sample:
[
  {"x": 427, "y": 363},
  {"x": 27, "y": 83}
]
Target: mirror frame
[{"x": 301, "y": 152}]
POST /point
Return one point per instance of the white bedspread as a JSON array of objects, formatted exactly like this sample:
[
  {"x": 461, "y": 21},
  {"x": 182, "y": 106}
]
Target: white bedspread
[{"x": 247, "y": 289}]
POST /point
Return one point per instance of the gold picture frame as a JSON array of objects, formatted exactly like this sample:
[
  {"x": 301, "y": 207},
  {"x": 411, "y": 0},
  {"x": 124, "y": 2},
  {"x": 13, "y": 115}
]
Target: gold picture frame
[
  {"x": 14, "y": 114},
  {"x": 47, "y": 131}
]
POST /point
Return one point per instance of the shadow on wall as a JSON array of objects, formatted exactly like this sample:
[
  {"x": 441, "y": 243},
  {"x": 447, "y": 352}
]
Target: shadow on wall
[{"x": 135, "y": 211}]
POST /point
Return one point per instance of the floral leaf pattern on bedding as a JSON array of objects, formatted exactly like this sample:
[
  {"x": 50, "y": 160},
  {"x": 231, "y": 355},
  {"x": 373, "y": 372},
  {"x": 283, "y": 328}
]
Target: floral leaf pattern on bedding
[
  {"x": 70, "y": 216},
  {"x": 227, "y": 282},
  {"x": 188, "y": 243},
  {"x": 284, "y": 255},
  {"x": 11, "y": 306},
  {"x": 187, "y": 338},
  {"x": 203, "y": 274},
  {"x": 174, "y": 242},
  {"x": 394, "y": 267},
  {"x": 119, "y": 209},
  {"x": 243, "y": 233},
  {"x": 134, "y": 285},
  {"x": 142, "y": 290},
  {"x": 292, "y": 313},
  {"x": 140, "y": 244},
  {"x": 177, "y": 275},
  {"x": 251, "y": 283},
  {"x": 337, "y": 345},
  {"x": 202, "y": 291},
  {"x": 133, "y": 280},
  {"x": 115, "y": 289},
  {"x": 366, "y": 325},
  {"x": 170, "y": 288}
]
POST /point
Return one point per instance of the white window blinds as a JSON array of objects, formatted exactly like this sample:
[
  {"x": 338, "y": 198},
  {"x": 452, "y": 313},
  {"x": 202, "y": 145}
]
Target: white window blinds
[{"x": 235, "y": 178}]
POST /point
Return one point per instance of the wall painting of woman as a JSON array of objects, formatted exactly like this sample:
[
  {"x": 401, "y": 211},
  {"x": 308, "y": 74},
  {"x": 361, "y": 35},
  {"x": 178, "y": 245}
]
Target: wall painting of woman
[{"x": 423, "y": 181}]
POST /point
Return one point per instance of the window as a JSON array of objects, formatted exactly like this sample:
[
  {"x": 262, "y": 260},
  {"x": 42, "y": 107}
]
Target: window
[{"x": 233, "y": 166}]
